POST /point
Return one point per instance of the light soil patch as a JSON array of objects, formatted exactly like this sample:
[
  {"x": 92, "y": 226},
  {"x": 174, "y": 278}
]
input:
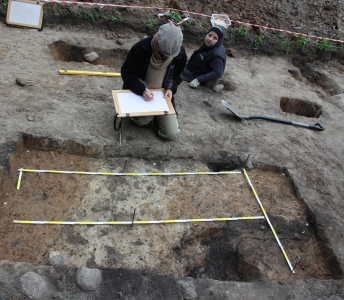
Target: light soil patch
[{"x": 233, "y": 250}]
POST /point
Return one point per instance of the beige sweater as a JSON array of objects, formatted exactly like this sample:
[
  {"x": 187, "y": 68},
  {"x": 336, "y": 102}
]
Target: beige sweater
[{"x": 156, "y": 72}]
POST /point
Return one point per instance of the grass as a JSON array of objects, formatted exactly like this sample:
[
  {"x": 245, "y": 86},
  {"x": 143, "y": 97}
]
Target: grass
[
  {"x": 286, "y": 45},
  {"x": 242, "y": 32},
  {"x": 151, "y": 23},
  {"x": 258, "y": 42},
  {"x": 324, "y": 46}
]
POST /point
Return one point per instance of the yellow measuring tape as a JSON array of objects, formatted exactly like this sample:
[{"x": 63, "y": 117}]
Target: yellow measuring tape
[
  {"x": 136, "y": 222},
  {"x": 89, "y": 73},
  {"x": 268, "y": 220}
]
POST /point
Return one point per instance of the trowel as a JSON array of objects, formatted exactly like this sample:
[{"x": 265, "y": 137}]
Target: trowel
[{"x": 316, "y": 126}]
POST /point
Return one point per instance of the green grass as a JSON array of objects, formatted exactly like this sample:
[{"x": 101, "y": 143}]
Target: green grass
[
  {"x": 151, "y": 23},
  {"x": 241, "y": 32},
  {"x": 324, "y": 46},
  {"x": 286, "y": 45},
  {"x": 302, "y": 42},
  {"x": 258, "y": 42}
]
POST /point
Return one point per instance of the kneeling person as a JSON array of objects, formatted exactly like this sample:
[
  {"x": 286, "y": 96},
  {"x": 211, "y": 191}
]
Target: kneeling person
[
  {"x": 207, "y": 64},
  {"x": 156, "y": 62}
]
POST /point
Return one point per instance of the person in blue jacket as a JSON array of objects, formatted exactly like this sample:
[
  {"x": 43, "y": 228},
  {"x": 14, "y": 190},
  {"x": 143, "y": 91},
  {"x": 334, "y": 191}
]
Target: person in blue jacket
[
  {"x": 207, "y": 64},
  {"x": 156, "y": 62}
]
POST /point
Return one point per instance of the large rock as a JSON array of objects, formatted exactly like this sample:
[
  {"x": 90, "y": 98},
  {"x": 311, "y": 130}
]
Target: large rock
[
  {"x": 88, "y": 279},
  {"x": 33, "y": 286},
  {"x": 91, "y": 57}
]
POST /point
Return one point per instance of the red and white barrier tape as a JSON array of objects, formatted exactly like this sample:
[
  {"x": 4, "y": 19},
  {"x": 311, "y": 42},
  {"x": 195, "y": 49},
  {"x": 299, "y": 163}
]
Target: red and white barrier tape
[
  {"x": 289, "y": 32},
  {"x": 102, "y": 5}
]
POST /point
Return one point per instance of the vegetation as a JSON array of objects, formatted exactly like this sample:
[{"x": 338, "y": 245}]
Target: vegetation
[
  {"x": 242, "y": 32},
  {"x": 116, "y": 18},
  {"x": 324, "y": 45},
  {"x": 286, "y": 45},
  {"x": 151, "y": 23},
  {"x": 174, "y": 16},
  {"x": 258, "y": 42},
  {"x": 301, "y": 43},
  {"x": 53, "y": 8},
  {"x": 277, "y": 38},
  {"x": 92, "y": 15}
]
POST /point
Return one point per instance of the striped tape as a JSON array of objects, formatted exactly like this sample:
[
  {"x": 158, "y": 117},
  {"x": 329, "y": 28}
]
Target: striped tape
[
  {"x": 136, "y": 222},
  {"x": 19, "y": 179},
  {"x": 102, "y": 5},
  {"x": 121, "y": 174},
  {"x": 287, "y": 31},
  {"x": 129, "y": 173},
  {"x": 268, "y": 220}
]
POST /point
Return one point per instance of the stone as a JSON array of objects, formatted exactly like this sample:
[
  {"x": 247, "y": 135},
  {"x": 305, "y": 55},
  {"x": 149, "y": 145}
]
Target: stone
[
  {"x": 188, "y": 286},
  {"x": 232, "y": 52},
  {"x": 218, "y": 88},
  {"x": 21, "y": 81},
  {"x": 56, "y": 259},
  {"x": 88, "y": 279},
  {"x": 296, "y": 73},
  {"x": 244, "y": 157},
  {"x": 91, "y": 57},
  {"x": 33, "y": 286}
]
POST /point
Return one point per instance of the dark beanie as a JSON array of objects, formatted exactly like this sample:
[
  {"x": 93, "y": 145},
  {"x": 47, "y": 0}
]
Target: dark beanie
[{"x": 219, "y": 30}]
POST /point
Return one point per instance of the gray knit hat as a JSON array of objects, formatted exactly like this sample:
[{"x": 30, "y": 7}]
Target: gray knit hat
[{"x": 170, "y": 39}]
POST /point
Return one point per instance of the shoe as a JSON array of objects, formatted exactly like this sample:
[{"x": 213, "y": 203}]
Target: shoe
[{"x": 218, "y": 88}]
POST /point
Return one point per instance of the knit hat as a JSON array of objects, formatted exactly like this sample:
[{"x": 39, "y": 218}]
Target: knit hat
[
  {"x": 219, "y": 30},
  {"x": 170, "y": 39}
]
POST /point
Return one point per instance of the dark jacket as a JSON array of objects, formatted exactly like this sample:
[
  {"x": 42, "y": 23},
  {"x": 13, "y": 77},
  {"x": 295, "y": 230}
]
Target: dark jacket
[
  {"x": 136, "y": 65},
  {"x": 206, "y": 63}
]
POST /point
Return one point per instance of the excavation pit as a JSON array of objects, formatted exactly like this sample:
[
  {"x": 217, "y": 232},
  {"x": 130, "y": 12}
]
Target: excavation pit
[
  {"x": 243, "y": 250},
  {"x": 62, "y": 51},
  {"x": 300, "y": 107}
]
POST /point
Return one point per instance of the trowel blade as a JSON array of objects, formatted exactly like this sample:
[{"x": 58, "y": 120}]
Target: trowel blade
[{"x": 226, "y": 105}]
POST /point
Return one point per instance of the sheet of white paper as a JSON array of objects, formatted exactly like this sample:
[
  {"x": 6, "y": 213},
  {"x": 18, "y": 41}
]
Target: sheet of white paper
[
  {"x": 132, "y": 103},
  {"x": 25, "y": 13}
]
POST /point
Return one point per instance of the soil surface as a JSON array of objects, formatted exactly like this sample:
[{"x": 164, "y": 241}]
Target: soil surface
[
  {"x": 65, "y": 122},
  {"x": 197, "y": 250}
]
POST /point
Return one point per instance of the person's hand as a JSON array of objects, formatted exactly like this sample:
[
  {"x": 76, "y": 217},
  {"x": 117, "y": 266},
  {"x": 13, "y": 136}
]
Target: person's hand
[
  {"x": 194, "y": 83},
  {"x": 147, "y": 96},
  {"x": 168, "y": 93}
]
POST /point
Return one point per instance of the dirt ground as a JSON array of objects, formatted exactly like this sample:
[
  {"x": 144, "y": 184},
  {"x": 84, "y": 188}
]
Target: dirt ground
[
  {"x": 179, "y": 250},
  {"x": 66, "y": 123}
]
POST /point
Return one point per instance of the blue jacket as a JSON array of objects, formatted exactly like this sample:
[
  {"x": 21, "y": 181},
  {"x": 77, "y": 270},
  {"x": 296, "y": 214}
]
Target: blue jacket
[{"x": 208, "y": 62}]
